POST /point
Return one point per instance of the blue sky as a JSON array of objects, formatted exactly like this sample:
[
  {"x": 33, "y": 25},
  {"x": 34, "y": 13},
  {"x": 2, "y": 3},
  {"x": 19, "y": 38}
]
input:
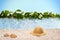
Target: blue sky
[{"x": 31, "y": 5}]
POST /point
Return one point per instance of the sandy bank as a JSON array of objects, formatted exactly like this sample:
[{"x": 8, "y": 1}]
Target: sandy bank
[{"x": 52, "y": 34}]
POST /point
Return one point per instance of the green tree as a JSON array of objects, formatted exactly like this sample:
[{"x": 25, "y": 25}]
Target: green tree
[
  {"x": 57, "y": 15},
  {"x": 40, "y": 16},
  {"x": 18, "y": 14},
  {"x": 18, "y": 11},
  {"x": 10, "y": 14},
  {"x": 27, "y": 15},
  {"x": 0, "y": 15},
  {"x": 45, "y": 15},
  {"x": 35, "y": 15},
  {"x": 51, "y": 15},
  {"x": 4, "y": 13}
]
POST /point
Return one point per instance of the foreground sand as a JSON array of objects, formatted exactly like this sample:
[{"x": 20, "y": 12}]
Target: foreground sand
[{"x": 52, "y": 34}]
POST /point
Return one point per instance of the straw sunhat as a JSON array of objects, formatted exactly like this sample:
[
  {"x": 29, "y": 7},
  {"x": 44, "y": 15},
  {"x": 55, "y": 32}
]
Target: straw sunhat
[{"x": 38, "y": 31}]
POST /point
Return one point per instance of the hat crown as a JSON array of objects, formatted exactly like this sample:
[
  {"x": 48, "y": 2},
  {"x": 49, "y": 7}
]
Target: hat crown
[{"x": 38, "y": 30}]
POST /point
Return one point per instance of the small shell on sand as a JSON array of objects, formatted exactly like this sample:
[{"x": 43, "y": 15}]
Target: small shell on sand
[
  {"x": 13, "y": 36},
  {"x": 6, "y": 35}
]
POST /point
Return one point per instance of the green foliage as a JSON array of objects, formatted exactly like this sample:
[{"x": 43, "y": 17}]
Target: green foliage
[
  {"x": 18, "y": 14},
  {"x": 27, "y": 15},
  {"x": 4, "y": 13},
  {"x": 35, "y": 15},
  {"x": 46, "y": 15},
  {"x": 10, "y": 15},
  {"x": 40, "y": 16},
  {"x": 0, "y": 15},
  {"x": 57, "y": 15},
  {"x": 18, "y": 10},
  {"x": 51, "y": 15}
]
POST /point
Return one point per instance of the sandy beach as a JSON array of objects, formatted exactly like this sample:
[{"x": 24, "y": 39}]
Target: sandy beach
[{"x": 51, "y": 34}]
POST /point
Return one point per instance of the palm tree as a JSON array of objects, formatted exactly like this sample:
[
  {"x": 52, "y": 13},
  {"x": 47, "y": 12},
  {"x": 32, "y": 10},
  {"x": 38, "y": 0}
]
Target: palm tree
[
  {"x": 45, "y": 15},
  {"x": 27, "y": 15},
  {"x": 57, "y": 15},
  {"x": 31, "y": 15},
  {"x": 18, "y": 11},
  {"x": 0, "y": 15},
  {"x": 35, "y": 15},
  {"x": 51, "y": 15},
  {"x": 10, "y": 14},
  {"x": 4, "y": 13},
  {"x": 40, "y": 16},
  {"x": 18, "y": 14}
]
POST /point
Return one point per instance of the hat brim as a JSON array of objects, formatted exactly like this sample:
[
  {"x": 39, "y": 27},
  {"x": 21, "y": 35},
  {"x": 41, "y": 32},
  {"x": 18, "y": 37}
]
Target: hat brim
[{"x": 36, "y": 34}]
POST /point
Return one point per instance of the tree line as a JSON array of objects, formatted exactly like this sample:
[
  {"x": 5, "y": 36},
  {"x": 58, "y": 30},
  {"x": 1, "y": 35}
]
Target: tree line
[{"x": 18, "y": 14}]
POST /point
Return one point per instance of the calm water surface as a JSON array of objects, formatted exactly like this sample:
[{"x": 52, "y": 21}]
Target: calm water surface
[{"x": 6, "y": 23}]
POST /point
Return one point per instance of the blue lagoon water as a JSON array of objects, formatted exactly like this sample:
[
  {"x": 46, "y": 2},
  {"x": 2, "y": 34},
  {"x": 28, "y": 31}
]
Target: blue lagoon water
[{"x": 11, "y": 23}]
